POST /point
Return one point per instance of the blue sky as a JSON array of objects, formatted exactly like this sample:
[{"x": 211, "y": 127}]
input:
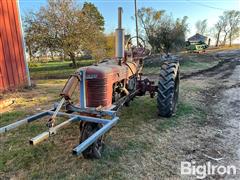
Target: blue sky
[{"x": 194, "y": 9}]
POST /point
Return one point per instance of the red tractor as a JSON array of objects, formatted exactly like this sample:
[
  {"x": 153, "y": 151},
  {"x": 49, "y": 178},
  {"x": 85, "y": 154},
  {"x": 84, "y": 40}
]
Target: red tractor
[{"x": 103, "y": 89}]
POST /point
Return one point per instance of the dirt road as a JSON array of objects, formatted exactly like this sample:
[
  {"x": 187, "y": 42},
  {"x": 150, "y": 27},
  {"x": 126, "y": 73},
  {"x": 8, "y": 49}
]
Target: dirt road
[{"x": 217, "y": 140}]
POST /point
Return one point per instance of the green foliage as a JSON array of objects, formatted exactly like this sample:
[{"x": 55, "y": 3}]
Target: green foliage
[
  {"x": 110, "y": 44},
  {"x": 65, "y": 28},
  {"x": 170, "y": 34},
  {"x": 90, "y": 10},
  {"x": 164, "y": 33}
]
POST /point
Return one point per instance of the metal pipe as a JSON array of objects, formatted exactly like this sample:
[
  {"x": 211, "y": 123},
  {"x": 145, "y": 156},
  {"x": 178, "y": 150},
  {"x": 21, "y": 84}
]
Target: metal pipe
[
  {"x": 59, "y": 126},
  {"x": 52, "y": 119},
  {"x": 39, "y": 138},
  {"x": 84, "y": 145},
  {"x": 45, "y": 135},
  {"x": 58, "y": 108},
  {"x": 119, "y": 38},
  {"x": 82, "y": 89},
  {"x": 120, "y": 18},
  {"x": 83, "y": 118},
  {"x": 23, "y": 121},
  {"x": 90, "y": 110}
]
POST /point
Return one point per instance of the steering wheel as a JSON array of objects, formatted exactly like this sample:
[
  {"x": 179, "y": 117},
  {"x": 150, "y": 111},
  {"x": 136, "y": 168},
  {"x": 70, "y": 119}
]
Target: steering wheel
[{"x": 137, "y": 48}]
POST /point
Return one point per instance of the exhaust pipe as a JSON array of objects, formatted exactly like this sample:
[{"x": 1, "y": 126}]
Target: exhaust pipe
[{"x": 119, "y": 33}]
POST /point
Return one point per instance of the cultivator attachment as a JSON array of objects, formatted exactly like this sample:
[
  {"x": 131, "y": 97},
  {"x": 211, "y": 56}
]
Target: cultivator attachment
[{"x": 107, "y": 123}]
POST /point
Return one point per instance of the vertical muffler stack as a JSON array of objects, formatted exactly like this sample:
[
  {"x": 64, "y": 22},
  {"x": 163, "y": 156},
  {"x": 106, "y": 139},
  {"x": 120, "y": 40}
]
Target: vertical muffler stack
[{"x": 119, "y": 38}]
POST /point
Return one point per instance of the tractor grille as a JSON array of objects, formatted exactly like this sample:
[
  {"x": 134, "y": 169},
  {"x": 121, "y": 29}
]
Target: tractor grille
[{"x": 99, "y": 92}]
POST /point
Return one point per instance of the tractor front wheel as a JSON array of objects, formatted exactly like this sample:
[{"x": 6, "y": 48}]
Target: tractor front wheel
[
  {"x": 168, "y": 88},
  {"x": 95, "y": 150}
]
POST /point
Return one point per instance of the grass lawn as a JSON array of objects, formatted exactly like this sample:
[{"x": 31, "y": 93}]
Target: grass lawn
[
  {"x": 55, "y": 70},
  {"x": 189, "y": 63},
  {"x": 53, "y": 158},
  {"x": 135, "y": 135}
]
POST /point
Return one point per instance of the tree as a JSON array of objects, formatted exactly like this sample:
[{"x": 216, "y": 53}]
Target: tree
[
  {"x": 62, "y": 26},
  {"x": 229, "y": 24},
  {"x": 201, "y": 26},
  {"x": 219, "y": 26},
  {"x": 234, "y": 22},
  {"x": 32, "y": 38},
  {"x": 163, "y": 33},
  {"x": 170, "y": 34},
  {"x": 93, "y": 14},
  {"x": 149, "y": 19},
  {"x": 110, "y": 44}
]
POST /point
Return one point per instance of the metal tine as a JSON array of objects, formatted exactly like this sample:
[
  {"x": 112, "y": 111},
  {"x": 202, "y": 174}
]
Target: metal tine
[
  {"x": 84, "y": 145},
  {"x": 24, "y": 121},
  {"x": 83, "y": 118},
  {"x": 45, "y": 135}
]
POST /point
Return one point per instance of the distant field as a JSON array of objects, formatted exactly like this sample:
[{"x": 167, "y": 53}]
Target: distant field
[
  {"x": 55, "y": 70},
  {"x": 62, "y": 69}
]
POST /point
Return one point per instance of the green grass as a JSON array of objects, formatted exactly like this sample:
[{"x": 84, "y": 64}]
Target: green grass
[
  {"x": 185, "y": 110},
  {"x": 192, "y": 66},
  {"x": 55, "y": 70},
  {"x": 151, "y": 70},
  {"x": 10, "y": 116},
  {"x": 53, "y": 158},
  {"x": 185, "y": 67},
  {"x": 188, "y": 64}
]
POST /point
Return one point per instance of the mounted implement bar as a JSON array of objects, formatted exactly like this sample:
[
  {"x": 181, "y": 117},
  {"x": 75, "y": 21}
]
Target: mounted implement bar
[{"x": 107, "y": 125}]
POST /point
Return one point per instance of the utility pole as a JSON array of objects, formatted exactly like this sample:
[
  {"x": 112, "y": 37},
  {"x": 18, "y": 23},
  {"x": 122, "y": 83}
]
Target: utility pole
[{"x": 136, "y": 19}]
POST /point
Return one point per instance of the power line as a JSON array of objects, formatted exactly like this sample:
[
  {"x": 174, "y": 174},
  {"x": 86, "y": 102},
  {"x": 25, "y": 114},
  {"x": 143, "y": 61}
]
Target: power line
[{"x": 208, "y": 6}]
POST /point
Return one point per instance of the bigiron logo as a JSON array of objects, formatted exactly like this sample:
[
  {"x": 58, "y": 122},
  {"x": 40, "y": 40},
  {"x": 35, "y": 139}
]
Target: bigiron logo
[{"x": 202, "y": 171}]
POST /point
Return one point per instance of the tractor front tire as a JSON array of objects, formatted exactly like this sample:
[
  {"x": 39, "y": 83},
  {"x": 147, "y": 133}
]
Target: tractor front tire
[
  {"x": 168, "y": 88},
  {"x": 95, "y": 150}
]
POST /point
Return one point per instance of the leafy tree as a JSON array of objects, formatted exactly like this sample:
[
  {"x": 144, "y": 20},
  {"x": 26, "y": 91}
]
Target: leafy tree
[
  {"x": 149, "y": 19},
  {"x": 201, "y": 26},
  {"x": 170, "y": 35},
  {"x": 64, "y": 27},
  {"x": 93, "y": 14},
  {"x": 164, "y": 34},
  {"x": 110, "y": 44}
]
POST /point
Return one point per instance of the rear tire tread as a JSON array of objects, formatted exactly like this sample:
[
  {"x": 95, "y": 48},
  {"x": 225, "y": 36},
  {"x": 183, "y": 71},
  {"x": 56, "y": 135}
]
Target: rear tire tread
[{"x": 167, "y": 92}]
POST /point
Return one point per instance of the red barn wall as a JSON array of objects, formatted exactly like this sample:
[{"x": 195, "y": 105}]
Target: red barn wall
[{"x": 12, "y": 64}]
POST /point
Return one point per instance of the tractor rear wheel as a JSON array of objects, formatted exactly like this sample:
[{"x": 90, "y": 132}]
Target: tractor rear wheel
[
  {"x": 95, "y": 150},
  {"x": 168, "y": 88}
]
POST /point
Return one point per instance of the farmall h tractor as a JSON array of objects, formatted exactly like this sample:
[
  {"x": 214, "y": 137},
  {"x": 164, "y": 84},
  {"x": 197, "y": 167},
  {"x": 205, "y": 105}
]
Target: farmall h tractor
[{"x": 103, "y": 89}]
